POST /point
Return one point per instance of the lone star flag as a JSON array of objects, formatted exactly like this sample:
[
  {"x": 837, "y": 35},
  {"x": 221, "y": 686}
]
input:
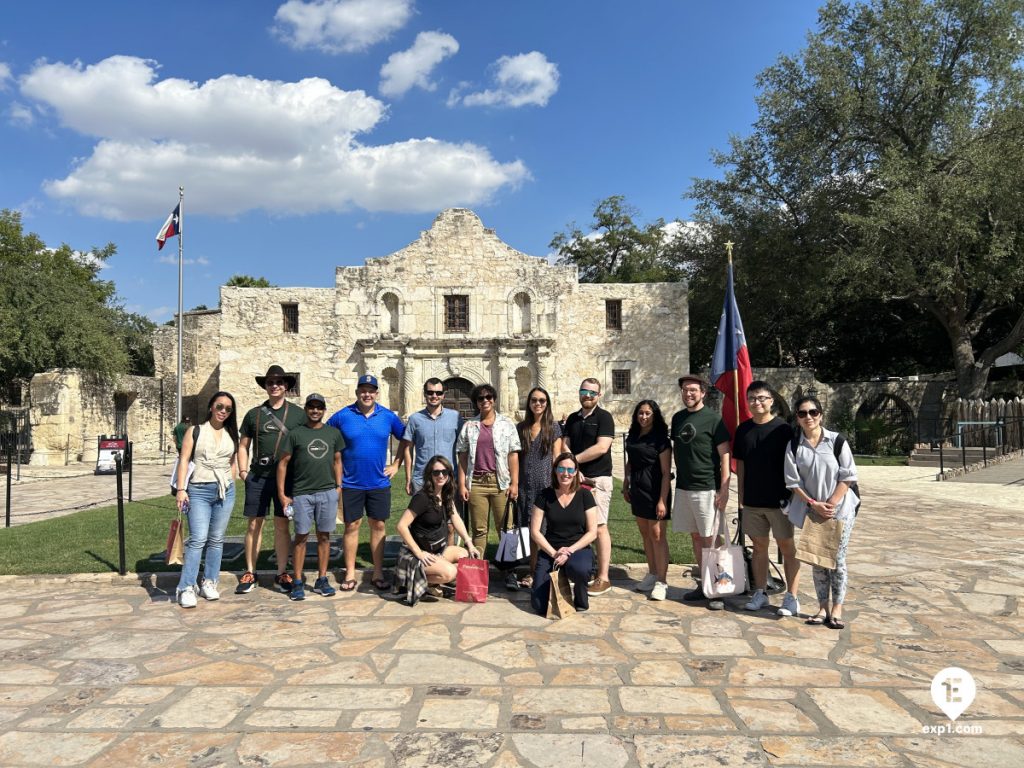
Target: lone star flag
[
  {"x": 730, "y": 367},
  {"x": 169, "y": 229}
]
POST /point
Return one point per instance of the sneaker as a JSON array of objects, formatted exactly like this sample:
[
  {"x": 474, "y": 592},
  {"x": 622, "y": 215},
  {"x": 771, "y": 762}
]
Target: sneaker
[
  {"x": 716, "y": 605},
  {"x": 246, "y": 584},
  {"x": 323, "y": 587},
  {"x": 647, "y": 583},
  {"x": 511, "y": 582},
  {"x": 790, "y": 605},
  {"x": 284, "y": 582},
  {"x": 695, "y": 595},
  {"x": 599, "y": 587},
  {"x": 187, "y": 597},
  {"x": 298, "y": 591},
  {"x": 757, "y": 601},
  {"x": 209, "y": 590},
  {"x": 434, "y": 590},
  {"x": 659, "y": 590}
]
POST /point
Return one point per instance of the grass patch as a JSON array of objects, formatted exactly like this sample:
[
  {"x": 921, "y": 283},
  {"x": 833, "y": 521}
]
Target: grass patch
[
  {"x": 880, "y": 461},
  {"x": 86, "y": 541}
]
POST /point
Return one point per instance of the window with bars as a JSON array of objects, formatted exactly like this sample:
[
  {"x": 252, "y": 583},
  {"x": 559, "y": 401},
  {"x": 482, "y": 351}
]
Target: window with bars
[
  {"x": 622, "y": 382},
  {"x": 290, "y": 318},
  {"x": 456, "y": 314},
  {"x": 613, "y": 314}
]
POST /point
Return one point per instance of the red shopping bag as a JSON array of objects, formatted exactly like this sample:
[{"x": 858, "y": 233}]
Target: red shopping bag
[{"x": 471, "y": 580}]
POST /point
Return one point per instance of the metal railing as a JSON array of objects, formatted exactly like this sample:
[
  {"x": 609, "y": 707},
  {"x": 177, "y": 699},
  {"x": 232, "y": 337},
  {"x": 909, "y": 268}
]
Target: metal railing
[{"x": 996, "y": 438}]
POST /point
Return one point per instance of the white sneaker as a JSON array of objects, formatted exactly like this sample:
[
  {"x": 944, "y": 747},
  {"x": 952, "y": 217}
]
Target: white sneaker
[
  {"x": 658, "y": 590},
  {"x": 209, "y": 590},
  {"x": 757, "y": 601},
  {"x": 187, "y": 597},
  {"x": 790, "y": 605},
  {"x": 647, "y": 583}
]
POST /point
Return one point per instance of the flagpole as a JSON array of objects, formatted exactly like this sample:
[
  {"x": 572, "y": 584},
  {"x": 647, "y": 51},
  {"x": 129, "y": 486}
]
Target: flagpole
[
  {"x": 736, "y": 371},
  {"x": 181, "y": 237}
]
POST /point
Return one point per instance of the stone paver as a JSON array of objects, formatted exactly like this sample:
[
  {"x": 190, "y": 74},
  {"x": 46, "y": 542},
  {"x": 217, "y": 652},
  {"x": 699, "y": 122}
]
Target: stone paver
[{"x": 104, "y": 671}]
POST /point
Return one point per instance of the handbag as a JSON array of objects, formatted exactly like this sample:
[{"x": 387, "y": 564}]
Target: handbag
[
  {"x": 514, "y": 544},
  {"x": 561, "y": 603},
  {"x": 175, "y": 552},
  {"x": 819, "y": 540},
  {"x": 472, "y": 577},
  {"x": 723, "y": 571}
]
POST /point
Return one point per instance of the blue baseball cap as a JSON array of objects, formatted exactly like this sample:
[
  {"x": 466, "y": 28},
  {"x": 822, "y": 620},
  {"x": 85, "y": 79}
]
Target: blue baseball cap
[{"x": 368, "y": 379}]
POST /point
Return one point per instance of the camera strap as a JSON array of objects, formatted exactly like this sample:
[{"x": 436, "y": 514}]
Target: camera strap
[{"x": 282, "y": 429}]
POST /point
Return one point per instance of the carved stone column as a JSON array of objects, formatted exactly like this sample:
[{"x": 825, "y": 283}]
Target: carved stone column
[{"x": 410, "y": 403}]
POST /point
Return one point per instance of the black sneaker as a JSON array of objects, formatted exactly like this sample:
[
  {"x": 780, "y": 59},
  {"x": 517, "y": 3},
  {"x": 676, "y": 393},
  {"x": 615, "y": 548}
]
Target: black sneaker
[
  {"x": 695, "y": 595},
  {"x": 246, "y": 584},
  {"x": 284, "y": 582},
  {"x": 511, "y": 582}
]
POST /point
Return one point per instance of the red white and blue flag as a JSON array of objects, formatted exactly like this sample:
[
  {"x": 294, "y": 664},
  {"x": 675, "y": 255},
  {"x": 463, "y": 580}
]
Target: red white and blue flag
[
  {"x": 170, "y": 228},
  {"x": 730, "y": 366}
]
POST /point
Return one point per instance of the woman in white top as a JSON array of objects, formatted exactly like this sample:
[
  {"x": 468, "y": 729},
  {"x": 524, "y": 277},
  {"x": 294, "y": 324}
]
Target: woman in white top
[
  {"x": 210, "y": 496},
  {"x": 821, "y": 483}
]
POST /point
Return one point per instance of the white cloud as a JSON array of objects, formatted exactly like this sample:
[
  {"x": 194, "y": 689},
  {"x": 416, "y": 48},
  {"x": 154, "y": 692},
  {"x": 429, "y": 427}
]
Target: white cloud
[
  {"x": 5, "y": 75},
  {"x": 521, "y": 80},
  {"x": 239, "y": 143},
  {"x": 172, "y": 258},
  {"x": 412, "y": 67},
  {"x": 160, "y": 314},
  {"x": 340, "y": 26},
  {"x": 20, "y": 115}
]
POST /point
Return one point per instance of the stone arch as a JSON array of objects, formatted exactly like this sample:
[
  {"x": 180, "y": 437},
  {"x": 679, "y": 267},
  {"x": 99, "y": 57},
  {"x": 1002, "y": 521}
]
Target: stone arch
[
  {"x": 389, "y": 312},
  {"x": 522, "y": 313},
  {"x": 524, "y": 383},
  {"x": 884, "y": 425},
  {"x": 456, "y": 395},
  {"x": 390, "y": 390}
]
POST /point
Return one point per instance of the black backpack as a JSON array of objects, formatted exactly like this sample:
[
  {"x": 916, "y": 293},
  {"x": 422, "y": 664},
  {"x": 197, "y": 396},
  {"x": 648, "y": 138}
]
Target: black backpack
[{"x": 837, "y": 448}]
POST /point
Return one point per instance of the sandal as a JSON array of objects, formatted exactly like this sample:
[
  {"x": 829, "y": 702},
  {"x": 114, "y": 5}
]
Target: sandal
[
  {"x": 818, "y": 619},
  {"x": 348, "y": 585},
  {"x": 834, "y": 622},
  {"x": 381, "y": 584},
  {"x": 526, "y": 582}
]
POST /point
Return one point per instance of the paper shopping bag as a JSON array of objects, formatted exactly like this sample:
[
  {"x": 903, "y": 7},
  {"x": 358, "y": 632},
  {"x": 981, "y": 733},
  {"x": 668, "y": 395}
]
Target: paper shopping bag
[
  {"x": 561, "y": 603},
  {"x": 175, "y": 551},
  {"x": 471, "y": 580}
]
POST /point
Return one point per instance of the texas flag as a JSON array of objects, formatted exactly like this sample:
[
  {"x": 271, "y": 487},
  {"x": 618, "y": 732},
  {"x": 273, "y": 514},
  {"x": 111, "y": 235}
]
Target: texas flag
[
  {"x": 730, "y": 367},
  {"x": 170, "y": 228}
]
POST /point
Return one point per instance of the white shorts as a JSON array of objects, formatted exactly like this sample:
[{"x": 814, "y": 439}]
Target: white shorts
[
  {"x": 602, "y": 492},
  {"x": 694, "y": 512}
]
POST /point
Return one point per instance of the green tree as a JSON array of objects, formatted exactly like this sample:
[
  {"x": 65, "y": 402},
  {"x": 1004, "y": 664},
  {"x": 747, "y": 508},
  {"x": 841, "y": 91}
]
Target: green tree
[
  {"x": 248, "y": 281},
  {"x": 616, "y": 249},
  {"x": 56, "y": 312},
  {"x": 885, "y": 168}
]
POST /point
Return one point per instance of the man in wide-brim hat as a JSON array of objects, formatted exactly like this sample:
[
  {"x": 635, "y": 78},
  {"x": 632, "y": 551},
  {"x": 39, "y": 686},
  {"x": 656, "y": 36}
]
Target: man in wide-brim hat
[{"x": 264, "y": 429}]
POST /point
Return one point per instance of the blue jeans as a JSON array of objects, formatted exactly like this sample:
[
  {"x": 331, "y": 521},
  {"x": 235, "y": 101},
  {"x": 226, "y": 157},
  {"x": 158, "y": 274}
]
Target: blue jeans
[
  {"x": 208, "y": 518},
  {"x": 577, "y": 567}
]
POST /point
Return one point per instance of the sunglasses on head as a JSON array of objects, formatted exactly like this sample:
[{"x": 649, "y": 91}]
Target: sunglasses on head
[
  {"x": 222, "y": 407},
  {"x": 812, "y": 412},
  {"x": 439, "y": 472},
  {"x": 566, "y": 470}
]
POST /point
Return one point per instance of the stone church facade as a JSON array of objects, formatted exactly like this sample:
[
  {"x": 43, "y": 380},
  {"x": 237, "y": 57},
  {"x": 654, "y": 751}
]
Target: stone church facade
[{"x": 458, "y": 304}]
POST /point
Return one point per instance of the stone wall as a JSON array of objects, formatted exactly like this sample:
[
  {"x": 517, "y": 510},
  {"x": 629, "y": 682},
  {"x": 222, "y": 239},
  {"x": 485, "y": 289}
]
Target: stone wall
[{"x": 200, "y": 361}]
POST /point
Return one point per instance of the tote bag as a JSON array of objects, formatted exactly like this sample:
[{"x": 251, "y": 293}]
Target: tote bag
[
  {"x": 818, "y": 543},
  {"x": 723, "y": 571},
  {"x": 514, "y": 546},
  {"x": 471, "y": 580}
]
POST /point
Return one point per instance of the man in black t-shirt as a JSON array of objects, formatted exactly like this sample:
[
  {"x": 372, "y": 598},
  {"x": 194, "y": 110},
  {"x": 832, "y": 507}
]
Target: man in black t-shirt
[
  {"x": 589, "y": 433},
  {"x": 760, "y": 450}
]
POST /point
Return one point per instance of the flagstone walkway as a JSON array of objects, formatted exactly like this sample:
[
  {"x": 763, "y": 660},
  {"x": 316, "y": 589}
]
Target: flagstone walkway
[{"x": 104, "y": 671}]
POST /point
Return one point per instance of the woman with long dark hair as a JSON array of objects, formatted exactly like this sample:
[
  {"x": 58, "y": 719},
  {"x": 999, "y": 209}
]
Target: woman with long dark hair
[
  {"x": 646, "y": 487},
  {"x": 209, "y": 497},
  {"x": 541, "y": 438},
  {"x": 820, "y": 481}
]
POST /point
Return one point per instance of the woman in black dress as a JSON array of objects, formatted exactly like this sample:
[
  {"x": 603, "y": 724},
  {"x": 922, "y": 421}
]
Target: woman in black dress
[
  {"x": 646, "y": 486},
  {"x": 570, "y": 515}
]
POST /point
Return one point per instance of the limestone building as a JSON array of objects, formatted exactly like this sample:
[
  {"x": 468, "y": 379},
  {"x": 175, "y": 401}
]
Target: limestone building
[{"x": 458, "y": 304}]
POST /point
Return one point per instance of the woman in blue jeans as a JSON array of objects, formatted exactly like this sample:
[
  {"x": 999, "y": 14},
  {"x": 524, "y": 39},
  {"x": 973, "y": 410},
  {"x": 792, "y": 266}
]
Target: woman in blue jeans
[
  {"x": 570, "y": 514},
  {"x": 209, "y": 497}
]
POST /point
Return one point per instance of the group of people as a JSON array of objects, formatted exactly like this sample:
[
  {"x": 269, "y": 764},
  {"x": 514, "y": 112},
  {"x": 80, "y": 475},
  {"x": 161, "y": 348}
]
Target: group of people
[{"x": 553, "y": 478}]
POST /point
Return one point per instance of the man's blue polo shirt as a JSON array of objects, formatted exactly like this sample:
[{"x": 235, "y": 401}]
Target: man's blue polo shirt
[
  {"x": 366, "y": 444},
  {"x": 432, "y": 437}
]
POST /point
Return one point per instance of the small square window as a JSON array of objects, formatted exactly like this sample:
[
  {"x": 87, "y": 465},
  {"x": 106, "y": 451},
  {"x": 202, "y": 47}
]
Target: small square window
[
  {"x": 621, "y": 382},
  {"x": 456, "y": 314},
  {"x": 613, "y": 314},
  {"x": 290, "y": 318},
  {"x": 294, "y": 391}
]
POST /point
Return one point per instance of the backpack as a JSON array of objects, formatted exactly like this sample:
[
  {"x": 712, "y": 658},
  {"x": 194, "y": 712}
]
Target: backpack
[
  {"x": 174, "y": 472},
  {"x": 837, "y": 448}
]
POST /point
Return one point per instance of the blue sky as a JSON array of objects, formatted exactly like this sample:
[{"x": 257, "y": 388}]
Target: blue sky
[{"x": 314, "y": 134}]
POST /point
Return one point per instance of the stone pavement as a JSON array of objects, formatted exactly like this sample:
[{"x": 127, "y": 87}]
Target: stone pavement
[
  {"x": 104, "y": 671},
  {"x": 1006, "y": 473}
]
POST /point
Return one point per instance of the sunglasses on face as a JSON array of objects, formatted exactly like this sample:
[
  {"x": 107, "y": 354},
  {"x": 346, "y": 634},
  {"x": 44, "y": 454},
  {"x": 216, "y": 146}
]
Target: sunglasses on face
[
  {"x": 812, "y": 412},
  {"x": 759, "y": 399},
  {"x": 432, "y": 393},
  {"x": 538, "y": 401},
  {"x": 275, "y": 382},
  {"x": 221, "y": 407},
  {"x": 439, "y": 472},
  {"x": 566, "y": 471},
  {"x": 482, "y": 398},
  {"x": 315, "y": 407},
  {"x": 589, "y": 393}
]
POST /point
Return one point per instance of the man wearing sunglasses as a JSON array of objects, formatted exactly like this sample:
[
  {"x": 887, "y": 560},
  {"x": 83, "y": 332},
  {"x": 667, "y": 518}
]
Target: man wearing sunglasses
[
  {"x": 264, "y": 429},
  {"x": 589, "y": 433},
  {"x": 430, "y": 432}
]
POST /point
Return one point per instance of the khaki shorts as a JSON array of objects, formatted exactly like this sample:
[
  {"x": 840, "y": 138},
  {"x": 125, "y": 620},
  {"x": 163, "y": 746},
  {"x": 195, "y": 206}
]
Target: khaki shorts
[
  {"x": 602, "y": 491},
  {"x": 694, "y": 512},
  {"x": 758, "y": 521}
]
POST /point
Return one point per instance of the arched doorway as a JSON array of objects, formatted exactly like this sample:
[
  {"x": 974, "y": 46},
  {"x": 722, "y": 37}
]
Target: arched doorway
[
  {"x": 884, "y": 425},
  {"x": 456, "y": 396}
]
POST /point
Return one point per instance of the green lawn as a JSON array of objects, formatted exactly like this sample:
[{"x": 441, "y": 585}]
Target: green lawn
[
  {"x": 86, "y": 542},
  {"x": 880, "y": 461}
]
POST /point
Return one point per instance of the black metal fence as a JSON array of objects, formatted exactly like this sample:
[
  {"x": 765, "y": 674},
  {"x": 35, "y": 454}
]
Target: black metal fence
[{"x": 974, "y": 443}]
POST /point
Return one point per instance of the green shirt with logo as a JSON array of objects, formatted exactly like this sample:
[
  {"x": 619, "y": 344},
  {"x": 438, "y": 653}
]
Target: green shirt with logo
[
  {"x": 263, "y": 447},
  {"x": 696, "y": 436},
  {"x": 312, "y": 458}
]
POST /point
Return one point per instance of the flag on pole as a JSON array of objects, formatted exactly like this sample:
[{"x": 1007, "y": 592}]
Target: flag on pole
[
  {"x": 730, "y": 366},
  {"x": 170, "y": 228}
]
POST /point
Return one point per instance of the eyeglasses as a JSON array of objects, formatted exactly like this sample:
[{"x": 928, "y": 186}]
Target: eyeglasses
[
  {"x": 434, "y": 393},
  {"x": 812, "y": 412},
  {"x": 439, "y": 472},
  {"x": 484, "y": 397},
  {"x": 315, "y": 407},
  {"x": 695, "y": 390},
  {"x": 588, "y": 393},
  {"x": 222, "y": 407},
  {"x": 538, "y": 401},
  {"x": 566, "y": 471},
  {"x": 759, "y": 399}
]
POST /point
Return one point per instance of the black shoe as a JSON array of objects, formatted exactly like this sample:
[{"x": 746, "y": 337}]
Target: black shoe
[
  {"x": 511, "y": 582},
  {"x": 695, "y": 595}
]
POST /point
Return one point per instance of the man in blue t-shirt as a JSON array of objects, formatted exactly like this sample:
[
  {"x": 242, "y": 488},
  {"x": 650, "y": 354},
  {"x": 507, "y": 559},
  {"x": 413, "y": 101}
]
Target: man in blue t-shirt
[
  {"x": 430, "y": 432},
  {"x": 366, "y": 482}
]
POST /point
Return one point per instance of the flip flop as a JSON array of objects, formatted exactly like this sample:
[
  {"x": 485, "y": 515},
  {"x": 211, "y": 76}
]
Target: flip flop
[
  {"x": 818, "y": 619},
  {"x": 348, "y": 585},
  {"x": 381, "y": 584},
  {"x": 836, "y": 623}
]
